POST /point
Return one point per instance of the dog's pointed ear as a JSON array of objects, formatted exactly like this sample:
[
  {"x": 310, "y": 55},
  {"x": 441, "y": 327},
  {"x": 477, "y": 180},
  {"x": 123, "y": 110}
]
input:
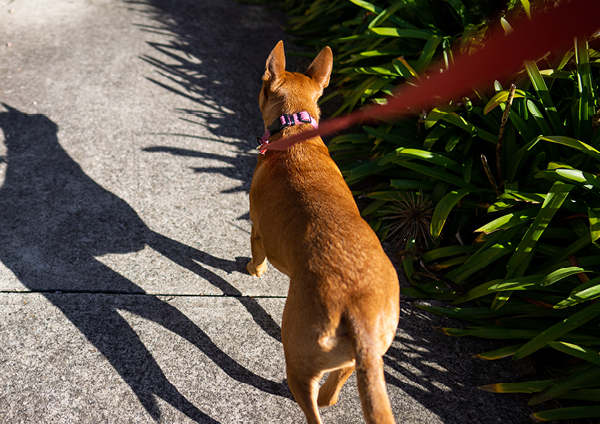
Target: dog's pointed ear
[
  {"x": 320, "y": 70},
  {"x": 275, "y": 67}
]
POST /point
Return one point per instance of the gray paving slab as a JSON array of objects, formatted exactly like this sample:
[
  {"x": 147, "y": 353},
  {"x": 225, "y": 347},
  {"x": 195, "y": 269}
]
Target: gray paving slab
[
  {"x": 137, "y": 358},
  {"x": 126, "y": 154}
]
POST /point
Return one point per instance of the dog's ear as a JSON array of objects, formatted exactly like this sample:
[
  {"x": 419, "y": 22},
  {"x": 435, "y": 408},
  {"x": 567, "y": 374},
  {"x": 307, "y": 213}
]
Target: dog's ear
[
  {"x": 320, "y": 70},
  {"x": 275, "y": 67}
]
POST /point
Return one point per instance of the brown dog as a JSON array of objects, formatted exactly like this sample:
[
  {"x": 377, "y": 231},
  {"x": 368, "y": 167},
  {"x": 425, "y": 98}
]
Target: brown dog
[{"x": 343, "y": 302}]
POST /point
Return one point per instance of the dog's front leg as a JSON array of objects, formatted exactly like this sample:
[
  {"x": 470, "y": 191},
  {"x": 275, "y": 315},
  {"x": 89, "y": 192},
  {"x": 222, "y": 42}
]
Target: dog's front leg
[{"x": 258, "y": 264}]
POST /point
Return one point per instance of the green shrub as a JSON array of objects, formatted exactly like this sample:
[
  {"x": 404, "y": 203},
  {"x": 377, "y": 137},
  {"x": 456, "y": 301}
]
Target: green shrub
[{"x": 512, "y": 176}]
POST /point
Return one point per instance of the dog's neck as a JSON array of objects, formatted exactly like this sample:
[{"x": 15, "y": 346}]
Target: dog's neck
[{"x": 285, "y": 121}]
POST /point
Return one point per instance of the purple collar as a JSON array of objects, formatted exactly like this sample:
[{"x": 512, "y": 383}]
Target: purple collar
[{"x": 284, "y": 121}]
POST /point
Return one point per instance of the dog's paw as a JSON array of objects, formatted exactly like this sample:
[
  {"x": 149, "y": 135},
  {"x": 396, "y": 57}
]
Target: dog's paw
[{"x": 257, "y": 271}]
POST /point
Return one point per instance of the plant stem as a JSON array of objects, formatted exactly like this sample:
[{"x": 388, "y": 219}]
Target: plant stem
[{"x": 501, "y": 133}]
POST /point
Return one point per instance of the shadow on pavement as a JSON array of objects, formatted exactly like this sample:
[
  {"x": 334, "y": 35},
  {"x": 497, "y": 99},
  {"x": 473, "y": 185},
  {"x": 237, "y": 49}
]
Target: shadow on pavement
[
  {"x": 54, "y": 221},
  {"x": 438, "y": 372},
  {"x": 232, "y": 171},
  {"x": 216, "y": 58}
]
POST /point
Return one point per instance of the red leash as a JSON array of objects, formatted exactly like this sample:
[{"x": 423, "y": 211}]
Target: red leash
[{"x": 500, "y": 57}]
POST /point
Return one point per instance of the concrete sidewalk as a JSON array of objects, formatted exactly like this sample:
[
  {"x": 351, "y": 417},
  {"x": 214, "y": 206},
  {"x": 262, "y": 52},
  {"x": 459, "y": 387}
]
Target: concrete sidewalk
[{"x": 126, "y": 155}]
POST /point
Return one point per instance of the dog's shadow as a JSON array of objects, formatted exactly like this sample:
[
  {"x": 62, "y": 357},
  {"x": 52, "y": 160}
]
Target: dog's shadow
[{"x": 54, "y": 221}]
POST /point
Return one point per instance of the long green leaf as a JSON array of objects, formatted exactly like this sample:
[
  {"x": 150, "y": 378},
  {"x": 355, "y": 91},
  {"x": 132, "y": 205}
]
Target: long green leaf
[
  {"x": 538, "y": 117},
  {"x": 429, "y": 157},
  {"x": 397, "y": 32},
  {"x": 408, "y": 264},
  {"x": 590, "y": 395},
  {"x": 559, "y": 330},
  {"x": 584, "y": 261},
  {"x": 565, "y": 385},
  {"x": 427, "y": 54},
  {"x": 373, "y": 207},
  {"x": 525, "y": 130},
  {"x": 370, "y": 7},
  {"x": 522, "y": 196},
  {"x": 489, "y": 332},
  {"x": 571, "y": 249},
  {"x": 520, "y": 259},
  {"x": 519, "y": 157},
  {"x": 501, "y": 97},
  {"x": 594, "y": 218},
  {"x": 526, "y": 387},
  {"x": 583, "y": 179},
  {"x": 404, "y": 69},
  {"x": 586, "y": 89},
  {"x": 479, "y": 262},
  {"x": 444, "y": 252},
  {"x": 525, "y": 283},
  {"x": 443, "y": 209},
  {"x": 383, "y": 70},
  {"x": 574, "y": 143},
  {"x": 542, "y": 90},
  {"x": 385, "y": 14},
  {"x": 461, "y": 10},
  {"x": 527, "y": 8},
  {"x": 582, "y": 293},
  {"x": 457, "y": 120},
  {"x": 438, "y": 174},
  {"x": 509, "y": 220},
  {"x": 498, "y": 245},
  {"x": 580, "y": 352},
  {"x": 366, "y": 170},
  {"x": 498, "y": 354},
  {"x": 400, "y": 139},
  {"x": 516, "y": 283},
  {"x": 412, "y": 185},
  {"x": 569, "y": 413},
  {"x": 512, "y": 333},
  {"x": 434, "y": 135}
]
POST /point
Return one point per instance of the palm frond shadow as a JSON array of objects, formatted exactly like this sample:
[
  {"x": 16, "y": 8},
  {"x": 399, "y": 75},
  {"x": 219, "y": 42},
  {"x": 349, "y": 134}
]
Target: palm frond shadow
[
  {"x": 215, "y": 58},
  {"x": 437, "y": 371}
]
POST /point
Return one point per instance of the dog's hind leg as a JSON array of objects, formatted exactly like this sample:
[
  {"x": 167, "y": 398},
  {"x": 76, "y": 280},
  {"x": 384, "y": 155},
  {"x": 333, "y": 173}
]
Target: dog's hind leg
[
  {"x": 328, "y": 394},
  {"x": 258, "y": 264},
  {"x": 305, "y": 389}
]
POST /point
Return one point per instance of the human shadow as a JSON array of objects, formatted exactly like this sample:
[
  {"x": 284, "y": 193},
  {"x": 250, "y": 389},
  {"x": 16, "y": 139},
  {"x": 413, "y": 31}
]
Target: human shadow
[{"x": 55, "y": 220}]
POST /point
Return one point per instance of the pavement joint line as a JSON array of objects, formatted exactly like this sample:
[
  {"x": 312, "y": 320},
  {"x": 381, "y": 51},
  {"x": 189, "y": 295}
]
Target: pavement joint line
[
  {"x": 140, "y": 294},
  {"x": 235, "y": 296}
]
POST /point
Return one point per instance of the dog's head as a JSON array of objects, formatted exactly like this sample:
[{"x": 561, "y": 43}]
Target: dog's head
[{"x": 291, "y": 92}]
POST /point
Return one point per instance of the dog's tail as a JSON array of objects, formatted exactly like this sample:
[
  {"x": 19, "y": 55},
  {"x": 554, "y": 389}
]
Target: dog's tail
[{"x": 369, "y": 374}]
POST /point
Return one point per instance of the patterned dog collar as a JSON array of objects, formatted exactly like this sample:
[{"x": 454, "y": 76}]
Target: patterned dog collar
[{"x": 284, "y": 121}]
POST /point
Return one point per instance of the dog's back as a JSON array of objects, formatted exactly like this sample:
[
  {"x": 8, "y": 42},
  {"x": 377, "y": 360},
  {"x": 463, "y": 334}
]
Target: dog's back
[{"x": 343, "y": 302}]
